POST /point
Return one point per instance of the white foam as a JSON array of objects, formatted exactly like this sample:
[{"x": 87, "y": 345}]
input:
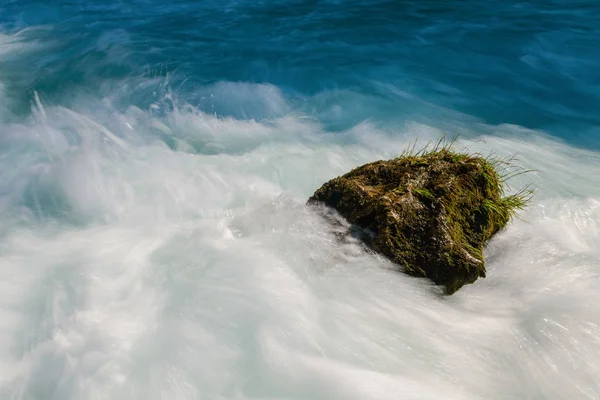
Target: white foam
[
  {"x": 17, "y": 44},
  {"x": 172, "y": 257}
]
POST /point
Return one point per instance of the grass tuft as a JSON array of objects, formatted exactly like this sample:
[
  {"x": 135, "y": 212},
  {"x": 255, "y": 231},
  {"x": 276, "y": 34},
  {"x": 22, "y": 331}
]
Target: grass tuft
[{"x": 497, "y": 171}]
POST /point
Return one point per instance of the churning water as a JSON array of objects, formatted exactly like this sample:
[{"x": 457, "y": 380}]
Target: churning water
[{"x": 155, "y": 160}]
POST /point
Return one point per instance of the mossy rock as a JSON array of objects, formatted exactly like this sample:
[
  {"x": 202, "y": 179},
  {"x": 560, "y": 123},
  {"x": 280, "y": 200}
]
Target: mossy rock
[{"x": 431, "y": 213}]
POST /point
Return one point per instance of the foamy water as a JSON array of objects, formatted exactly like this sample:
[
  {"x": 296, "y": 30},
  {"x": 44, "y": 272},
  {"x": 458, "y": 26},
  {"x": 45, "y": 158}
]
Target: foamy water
[{"x": 167, "y": 253}]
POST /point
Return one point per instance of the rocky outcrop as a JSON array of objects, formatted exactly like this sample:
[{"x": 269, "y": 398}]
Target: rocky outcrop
[{"x": 431, "y": 213}]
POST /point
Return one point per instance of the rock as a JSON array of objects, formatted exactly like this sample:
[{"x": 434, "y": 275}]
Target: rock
[{"x": 431, "y": 213}]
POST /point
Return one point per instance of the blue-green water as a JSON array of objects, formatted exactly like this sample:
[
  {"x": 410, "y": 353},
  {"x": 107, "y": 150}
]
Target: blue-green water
[
  {"x": 533, "y": 64},
  {"x": 155, "y": 158}
]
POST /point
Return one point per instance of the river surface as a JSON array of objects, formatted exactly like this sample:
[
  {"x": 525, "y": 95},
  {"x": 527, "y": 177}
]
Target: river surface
[{"x": 155, "y": 161}]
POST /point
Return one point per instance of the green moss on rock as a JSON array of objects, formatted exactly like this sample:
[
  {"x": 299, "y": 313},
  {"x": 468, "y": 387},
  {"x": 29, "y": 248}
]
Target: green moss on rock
[{"x": 431, "y": 213}]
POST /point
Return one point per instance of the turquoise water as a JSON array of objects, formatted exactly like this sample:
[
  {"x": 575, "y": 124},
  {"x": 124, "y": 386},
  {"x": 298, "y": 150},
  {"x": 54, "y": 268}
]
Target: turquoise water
[
  {"x": 533, "y": 64},
  {"x": 155, "y": 159}
]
